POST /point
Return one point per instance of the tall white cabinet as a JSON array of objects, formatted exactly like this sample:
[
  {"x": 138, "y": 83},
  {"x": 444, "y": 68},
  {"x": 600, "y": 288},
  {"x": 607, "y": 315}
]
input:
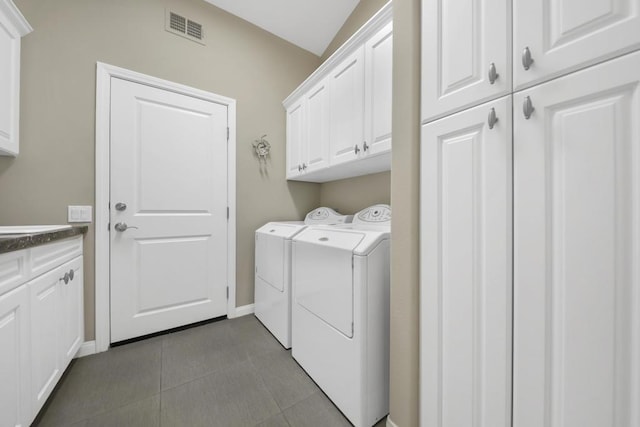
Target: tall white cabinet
[
  {"x": 530, "y": 300},
  {"x": 13, "y": 27}
]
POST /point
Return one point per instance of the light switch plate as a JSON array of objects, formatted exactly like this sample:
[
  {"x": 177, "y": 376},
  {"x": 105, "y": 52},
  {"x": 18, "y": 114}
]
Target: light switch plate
[{"x": 79, "y": 214}]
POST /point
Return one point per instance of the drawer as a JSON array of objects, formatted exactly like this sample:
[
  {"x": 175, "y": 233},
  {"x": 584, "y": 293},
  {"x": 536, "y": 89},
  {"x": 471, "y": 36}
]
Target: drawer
[
  {"x": 14, "y": 269},
  {"x": 46, "y": 257}
]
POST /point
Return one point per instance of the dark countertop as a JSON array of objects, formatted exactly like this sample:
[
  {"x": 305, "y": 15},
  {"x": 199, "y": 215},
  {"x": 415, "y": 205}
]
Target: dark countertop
[{"x": 15, "y": 242}]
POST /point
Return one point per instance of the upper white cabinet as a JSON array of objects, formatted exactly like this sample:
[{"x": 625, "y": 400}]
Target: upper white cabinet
[
  {"x": 13, "y": 26},
  {"x": 339, "y": 119},
  {"x": 554, "y": 37},
  {"x": 465, "y": 54},
  {"x": 466, "y": 252},
  {"x": 577, "y": 246},
  {"x": 378, "y": 55},
  {"x": 347, "y": 108}
]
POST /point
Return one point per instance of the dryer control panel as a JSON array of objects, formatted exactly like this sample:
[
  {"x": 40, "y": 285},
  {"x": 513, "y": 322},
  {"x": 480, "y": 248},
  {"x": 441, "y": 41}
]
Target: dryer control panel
[
  {"x": 374, "y": 215},
  {"x": 324, "y": 215}
]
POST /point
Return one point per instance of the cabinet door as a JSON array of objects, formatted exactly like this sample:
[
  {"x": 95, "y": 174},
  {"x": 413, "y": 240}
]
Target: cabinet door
[
  {"x": 466, "y": 281},
  {"x": 565, "y": 35},
  {"x": 317, "y": 128},
  {"x": 462, "y": 41},
  {"x": 347, "y": 108},
  {"x": 378, "y": 54},
  {"x": 9, "y": 84},
  {"x": 295, "y": 138},
  {"x": 71, "y": 311},
  {"x": 46, "y": 361},
  {"x": 14, "y": 358},
  {"x": 577, "y": 246}
]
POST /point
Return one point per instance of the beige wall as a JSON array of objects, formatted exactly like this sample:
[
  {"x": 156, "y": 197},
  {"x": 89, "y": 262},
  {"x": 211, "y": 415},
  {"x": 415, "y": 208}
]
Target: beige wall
[
  {"x": 56, "y": 164},
  {"x": 361, "y": 14},
  {"x": 405, "y": 201}
]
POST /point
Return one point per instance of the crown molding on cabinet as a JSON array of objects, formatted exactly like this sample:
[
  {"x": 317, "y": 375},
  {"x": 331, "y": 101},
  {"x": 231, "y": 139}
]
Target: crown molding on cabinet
[
  {"x": 15, "y": 16},
  {"x": 373, "y": 25}
]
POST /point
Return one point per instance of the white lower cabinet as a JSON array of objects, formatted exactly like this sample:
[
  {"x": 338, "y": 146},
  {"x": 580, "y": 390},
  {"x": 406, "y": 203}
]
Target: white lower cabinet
[
  {"x": 577, "y": 249},
  {"x": 56, "y": 326},
  {"x": 15, "y": 408},
  {"x": 466, "y": 281},
  {"x": 41, "y": 325}
]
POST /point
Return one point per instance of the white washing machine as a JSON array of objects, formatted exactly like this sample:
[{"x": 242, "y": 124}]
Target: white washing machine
[
  {"x": 340, "y": 311},
  {"x": 273, "y": 269}
]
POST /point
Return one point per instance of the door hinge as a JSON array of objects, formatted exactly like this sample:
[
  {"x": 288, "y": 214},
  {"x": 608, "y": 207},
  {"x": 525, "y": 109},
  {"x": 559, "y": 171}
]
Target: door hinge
[
  {"x": 227, "y": 292},
  {"x": 227, "y": 212},
  {"x": 108, "y": 226}
]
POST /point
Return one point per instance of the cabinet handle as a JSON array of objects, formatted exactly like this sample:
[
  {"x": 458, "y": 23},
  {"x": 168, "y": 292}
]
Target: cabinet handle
[
  {"x": 65, "y": 278},
  {"x": 493, "y": 74},
  {"x": 527, "y": 108},
  {"x": 365, "y": 146},
  {"x": 527, "y": 60},
  {"x": 356, "y": 149},
  {"x": 304, "y": 166},
  {"x": 299, "y": 168},
  {"x": 493, "y": 119}
]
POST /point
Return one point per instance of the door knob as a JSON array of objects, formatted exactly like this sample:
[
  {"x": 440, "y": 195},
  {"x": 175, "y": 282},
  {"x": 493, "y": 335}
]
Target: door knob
[
  {"x": 493, "y": 73},
  {"x": 527, "y": 60},
  {"x": 365, "y": 147},
  {"x": 121, "y": 206},
  {"x": 122, "y": 226},
  {"x": 356, "y": 149},
  {"x": 299, "y": 168}
]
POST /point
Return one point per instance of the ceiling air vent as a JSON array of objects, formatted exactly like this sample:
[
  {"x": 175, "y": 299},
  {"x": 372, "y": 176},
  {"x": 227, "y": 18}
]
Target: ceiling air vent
[{"x": 178, "y": 24}]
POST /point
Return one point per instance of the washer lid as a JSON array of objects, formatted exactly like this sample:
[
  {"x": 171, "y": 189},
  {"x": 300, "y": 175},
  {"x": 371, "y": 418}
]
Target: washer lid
[
  {"x": 331, "y": 237},
  {"x": 324, "y": 215},
  {"x": 286, "y": 230}
]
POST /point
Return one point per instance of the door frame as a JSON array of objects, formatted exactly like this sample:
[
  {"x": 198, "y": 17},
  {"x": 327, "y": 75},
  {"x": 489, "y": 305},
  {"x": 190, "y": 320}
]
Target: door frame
[{"x": 104, "y": 73}]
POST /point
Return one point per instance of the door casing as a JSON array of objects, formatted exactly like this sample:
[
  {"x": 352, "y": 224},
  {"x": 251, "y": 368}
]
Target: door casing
[{"x": 104, "y": 73}]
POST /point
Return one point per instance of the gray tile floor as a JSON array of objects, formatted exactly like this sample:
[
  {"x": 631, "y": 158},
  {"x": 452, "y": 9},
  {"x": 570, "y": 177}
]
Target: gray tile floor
[{"x": 227, "y": 373}]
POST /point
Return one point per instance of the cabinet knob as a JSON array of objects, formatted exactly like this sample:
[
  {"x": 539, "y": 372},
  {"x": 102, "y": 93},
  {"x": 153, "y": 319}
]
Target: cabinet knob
[
  {"x": 299, "y": 168},
  {"x": 493, "y": 119},
  {"x": 65, "y": 278},
  {"x": 527, "y": 60},
  {"x": 71, "y": 274},
  {"x": 493, "y": 73},
  {"x": 365, "y": 147},
  {"x": 356, "y": 149},
  {"x": 304, "y": 166},
  {"x": 527, "y": 108}
]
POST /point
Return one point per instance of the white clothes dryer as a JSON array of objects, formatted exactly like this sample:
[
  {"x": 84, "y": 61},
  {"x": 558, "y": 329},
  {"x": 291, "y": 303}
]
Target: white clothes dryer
[
  {"x": 273, "y": 269},
  {"x": 340, "y": 311}
]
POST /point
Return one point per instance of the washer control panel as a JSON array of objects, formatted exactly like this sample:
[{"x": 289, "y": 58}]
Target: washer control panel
[
  {"x": 324, "y": 215},
  {"x": 374, "y": 215}
]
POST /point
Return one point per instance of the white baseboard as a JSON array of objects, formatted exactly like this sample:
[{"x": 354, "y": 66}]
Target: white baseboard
[
  {"x": 87, "y": 349},
  {"x": 390, "y": 423},
  {"x": 242, "y": 311}
]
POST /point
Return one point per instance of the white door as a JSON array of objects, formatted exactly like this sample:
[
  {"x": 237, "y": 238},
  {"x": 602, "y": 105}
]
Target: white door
[
  {"x": 466, "y": 282},
  {"x": 564, "y": 35},
  {"x": 169, "y": 168},
  {"x": 317, "y": 128},
  {"x": 295, "y": 138},
  {"x": 378, "y": 54},
  {"x": 14, "y": 358},
  {"x": 465, "y": 54},
  {"x": 347, "y": 108},
  {"x": 577, "y": 250}
]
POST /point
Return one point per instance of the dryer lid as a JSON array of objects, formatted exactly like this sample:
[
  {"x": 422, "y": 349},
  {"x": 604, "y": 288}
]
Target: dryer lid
[
  {"x": 323, "y": 215},
  {"x": 374, "y": 215},
  {"x": 286, "y": 230}
]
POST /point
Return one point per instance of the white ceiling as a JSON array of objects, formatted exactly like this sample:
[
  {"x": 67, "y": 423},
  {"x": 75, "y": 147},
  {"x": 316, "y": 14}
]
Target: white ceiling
[{"x": 310, "y": 24}]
